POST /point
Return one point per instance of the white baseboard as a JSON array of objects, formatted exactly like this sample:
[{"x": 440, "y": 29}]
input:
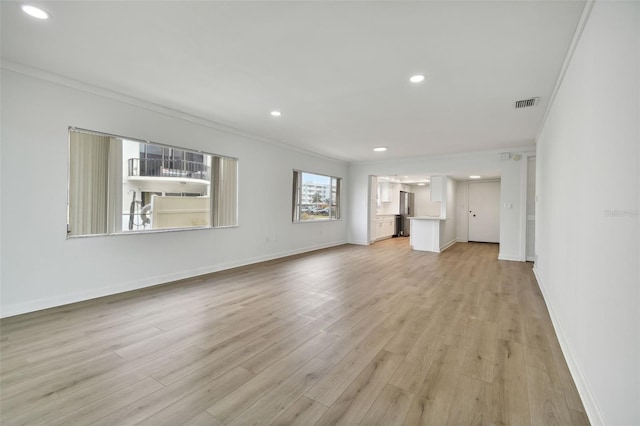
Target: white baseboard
[
  {"x": 510, "y": 257},
  {"x": 52, "y": 302},
  {"x": 360, "y": 243},
  {"x": 586, "y": 395},
  {"x": 462, "y": 240},
  {"x": 447, "y": 245}
]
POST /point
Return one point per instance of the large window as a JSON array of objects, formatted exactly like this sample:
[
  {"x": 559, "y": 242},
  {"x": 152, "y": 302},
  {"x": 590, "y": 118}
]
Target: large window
[
  {"x": 315, "y": 197},
  {"x": 121, "y": 185}
]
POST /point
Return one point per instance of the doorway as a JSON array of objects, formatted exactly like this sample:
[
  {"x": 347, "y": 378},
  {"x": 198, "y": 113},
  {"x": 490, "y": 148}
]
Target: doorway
[{"x": 484, "y": 212}]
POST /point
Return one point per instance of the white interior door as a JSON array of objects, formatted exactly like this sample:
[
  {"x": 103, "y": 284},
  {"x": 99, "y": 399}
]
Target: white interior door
[{"x": 484, "y": 212}]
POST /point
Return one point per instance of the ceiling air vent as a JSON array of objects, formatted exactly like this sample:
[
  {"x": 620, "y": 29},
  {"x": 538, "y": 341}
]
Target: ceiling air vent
[{"x": 526, "y": 103}]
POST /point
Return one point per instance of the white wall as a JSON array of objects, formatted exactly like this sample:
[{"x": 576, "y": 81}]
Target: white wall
[
  {"x": 448, "y": 227},
  {"x": 462, "y": 215},
  {"x": 422, "y": 201},
  {"x": 587, "y": 232},
  {"x": 41, "y": 268},
  {"x": 513, "y": 182}
]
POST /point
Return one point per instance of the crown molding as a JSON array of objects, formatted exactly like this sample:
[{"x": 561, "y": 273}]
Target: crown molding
[
  {"x": 582, "y": 22},
  {"x": 150, "y": 106}
]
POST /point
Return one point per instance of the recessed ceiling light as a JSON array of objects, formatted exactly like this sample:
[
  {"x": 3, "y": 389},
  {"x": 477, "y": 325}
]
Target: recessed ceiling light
[
  {"x": 416, "y": 78},
  {"x": 474, "y": 177},
  {"x": 422, "y": 184},
  {"x": 276, "y": 113},
  {"x": 36, "y": 12},
  {"x": 380, "y": 149}
]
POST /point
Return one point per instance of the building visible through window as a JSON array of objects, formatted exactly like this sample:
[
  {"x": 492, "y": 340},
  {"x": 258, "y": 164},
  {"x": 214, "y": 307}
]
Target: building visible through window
[
  {"x": 315, "y": 197},
  {"x": 169, "y": 174},
  {"x": 119, "y": 185}
]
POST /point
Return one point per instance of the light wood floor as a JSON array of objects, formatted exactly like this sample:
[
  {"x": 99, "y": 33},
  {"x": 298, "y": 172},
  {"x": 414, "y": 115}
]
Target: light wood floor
[{"x": 377, "y": 335}]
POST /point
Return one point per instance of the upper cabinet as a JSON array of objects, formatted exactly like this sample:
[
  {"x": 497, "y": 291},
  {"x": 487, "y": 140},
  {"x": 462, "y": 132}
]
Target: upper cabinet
[
  {"x": 438, "y": 188},
  {"x": 385, "y": 192}
]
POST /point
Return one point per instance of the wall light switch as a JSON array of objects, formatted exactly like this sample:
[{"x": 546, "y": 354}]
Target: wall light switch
[{"x": 508, "y": 205}]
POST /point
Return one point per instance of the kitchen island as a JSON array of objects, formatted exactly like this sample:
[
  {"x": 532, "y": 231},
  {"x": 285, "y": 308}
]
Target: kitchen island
[{"x": 426, "y": 233}]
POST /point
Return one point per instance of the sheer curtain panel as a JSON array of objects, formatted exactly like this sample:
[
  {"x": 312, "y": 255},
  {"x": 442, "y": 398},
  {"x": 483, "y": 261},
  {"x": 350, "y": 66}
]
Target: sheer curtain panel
[
  {"x": 95, "y": 166},
  {"x": 225, "y": 184}
]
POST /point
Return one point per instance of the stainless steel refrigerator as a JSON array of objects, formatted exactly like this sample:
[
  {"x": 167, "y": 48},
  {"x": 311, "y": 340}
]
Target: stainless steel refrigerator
[{"x": 406, "y": 211}]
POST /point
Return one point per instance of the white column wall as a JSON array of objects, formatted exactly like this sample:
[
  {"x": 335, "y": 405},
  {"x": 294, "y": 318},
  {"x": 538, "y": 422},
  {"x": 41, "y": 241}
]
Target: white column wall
[
  {"x": 448, "y": 227},
  {"x": 462, "y": 224},
  {"x": 587, "y": 214}
]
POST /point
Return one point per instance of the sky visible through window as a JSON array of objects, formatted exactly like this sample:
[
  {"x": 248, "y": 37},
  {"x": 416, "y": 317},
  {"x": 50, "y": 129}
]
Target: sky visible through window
[
  {"x": 316, "y": 197},
  {"x": 318, "y": 179}
]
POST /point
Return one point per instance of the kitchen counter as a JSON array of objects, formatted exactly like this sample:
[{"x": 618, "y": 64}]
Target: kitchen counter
[{"x": 425, "y": 233}]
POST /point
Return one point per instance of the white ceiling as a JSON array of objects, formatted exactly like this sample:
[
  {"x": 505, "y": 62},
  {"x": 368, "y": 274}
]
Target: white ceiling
[{"x": 338, "y": 71}]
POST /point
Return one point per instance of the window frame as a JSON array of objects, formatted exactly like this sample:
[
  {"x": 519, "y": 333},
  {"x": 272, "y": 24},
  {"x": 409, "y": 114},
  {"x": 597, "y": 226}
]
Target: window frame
[
  {"x": 296, "y": 205},
  {"x": 212, "y": 183}
]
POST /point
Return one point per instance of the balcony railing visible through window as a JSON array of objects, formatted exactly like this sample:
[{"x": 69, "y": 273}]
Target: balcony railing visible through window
[{"x": 168, "y": 168}]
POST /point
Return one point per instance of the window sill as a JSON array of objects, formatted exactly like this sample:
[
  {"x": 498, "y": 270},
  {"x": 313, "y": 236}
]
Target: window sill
[
  {"x": 151, "y": 231},
  {"x": 316, "y": 221}
]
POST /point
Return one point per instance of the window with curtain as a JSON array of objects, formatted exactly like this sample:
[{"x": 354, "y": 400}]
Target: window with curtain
[
  {"x": 315, "y": 197},
  {"x": 122, "y": 185},
  {"x": 225, "y": 182}
]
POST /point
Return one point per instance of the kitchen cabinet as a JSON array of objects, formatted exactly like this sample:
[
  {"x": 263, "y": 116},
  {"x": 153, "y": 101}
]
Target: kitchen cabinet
[
  {"x": 437, "y": 188},
  {"x": 388, "y": 227},
  {"x": 385, "y": 227},
  {"x": 385, "y": 192}
]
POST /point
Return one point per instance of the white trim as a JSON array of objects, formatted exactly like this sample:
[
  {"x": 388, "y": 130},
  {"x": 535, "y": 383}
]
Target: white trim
[
  {"x": 459, "y": 240},
  {"x": 371, "y": 212},
  {"x": 520, "y": 149},
  {"x": 586, "y": 11},
  {"x": 447, "y": 245},
  {"x": 150, "y": 106},
  {"x": 359, "y": 243},
  {"x": 584, "y": 390},
  {"x": 52, "y": 302},
  {"x": 510, "y": 257},
  {"x": 467, "y": 211},
  {"x": 524, "y": 177},
  {"x": 522, "y": 231}
]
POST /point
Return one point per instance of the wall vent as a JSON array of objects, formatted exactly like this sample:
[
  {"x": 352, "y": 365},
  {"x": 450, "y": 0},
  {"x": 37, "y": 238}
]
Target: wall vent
[{"x": 525, "y": 103}]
